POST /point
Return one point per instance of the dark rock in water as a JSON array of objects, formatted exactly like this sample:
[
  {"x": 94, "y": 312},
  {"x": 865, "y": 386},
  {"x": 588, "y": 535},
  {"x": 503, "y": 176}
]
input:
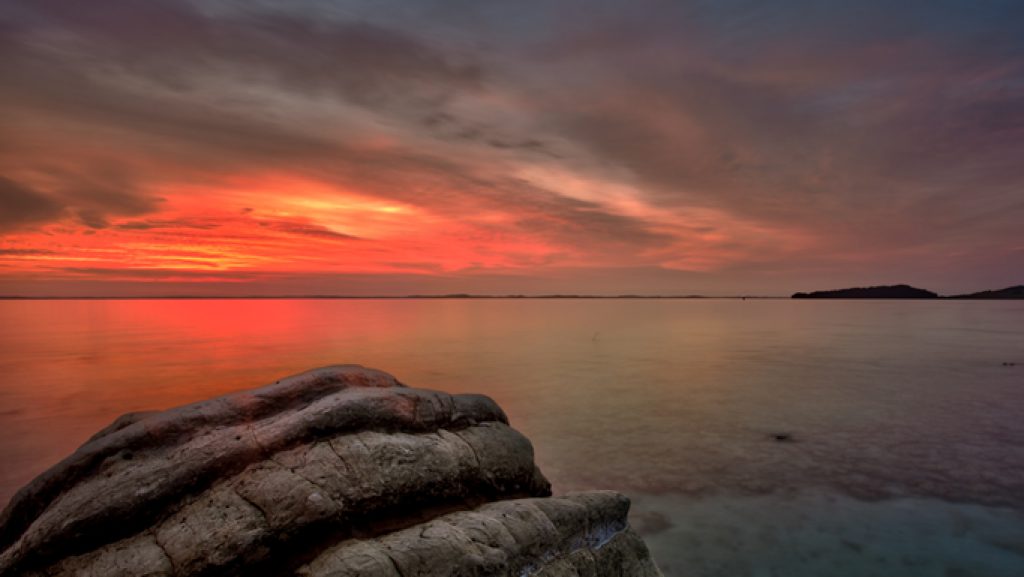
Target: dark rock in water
[
  {"x": 337, "y": 471},
  {"x": 782, "y": 437},
  {"x": 900, "y": 291}
]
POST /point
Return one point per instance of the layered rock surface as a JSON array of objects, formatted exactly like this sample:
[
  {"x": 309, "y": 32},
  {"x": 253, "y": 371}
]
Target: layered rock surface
[{"x": 337, "y": 471}]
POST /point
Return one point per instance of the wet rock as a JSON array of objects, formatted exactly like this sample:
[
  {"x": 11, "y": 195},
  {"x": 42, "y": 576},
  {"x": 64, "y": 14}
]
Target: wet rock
[{"x": 337, "y": 471}]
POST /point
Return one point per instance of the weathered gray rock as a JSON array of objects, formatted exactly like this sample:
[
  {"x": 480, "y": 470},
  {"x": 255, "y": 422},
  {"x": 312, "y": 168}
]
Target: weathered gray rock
[
  {"x": 337, "y": 471},
  {"x": 579, "y": 534}
]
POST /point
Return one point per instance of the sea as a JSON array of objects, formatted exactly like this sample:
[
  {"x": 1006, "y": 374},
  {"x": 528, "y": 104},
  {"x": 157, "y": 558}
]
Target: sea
[{"x": 757, "y": 437}]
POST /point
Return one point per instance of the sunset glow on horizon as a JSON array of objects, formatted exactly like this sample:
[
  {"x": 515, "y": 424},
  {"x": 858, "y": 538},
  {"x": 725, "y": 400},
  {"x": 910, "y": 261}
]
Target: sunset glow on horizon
[{"x": 170, "y": 147}]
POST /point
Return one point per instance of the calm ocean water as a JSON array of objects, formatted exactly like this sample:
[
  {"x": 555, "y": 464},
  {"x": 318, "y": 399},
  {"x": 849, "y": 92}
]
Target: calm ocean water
[{"x": 907, "y": 428}]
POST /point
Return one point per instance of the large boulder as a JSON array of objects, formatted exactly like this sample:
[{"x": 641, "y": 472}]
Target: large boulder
[{"x": 335, "y": 472}]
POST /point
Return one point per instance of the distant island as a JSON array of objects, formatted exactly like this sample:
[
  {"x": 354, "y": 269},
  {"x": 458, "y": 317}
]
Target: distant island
[
  {"x": 1013, "y": 292},
  {"x": 899, "y": 291},
  {"x": 903, "y": 291}
]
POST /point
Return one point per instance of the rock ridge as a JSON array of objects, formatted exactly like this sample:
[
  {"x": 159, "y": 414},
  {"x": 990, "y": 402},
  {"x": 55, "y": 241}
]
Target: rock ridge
[{"x": 303, "y": 475}]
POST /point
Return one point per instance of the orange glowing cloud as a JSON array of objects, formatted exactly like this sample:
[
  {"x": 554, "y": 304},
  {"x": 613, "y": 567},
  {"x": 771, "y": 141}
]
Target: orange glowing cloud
[{"x": 276, "y": 224}]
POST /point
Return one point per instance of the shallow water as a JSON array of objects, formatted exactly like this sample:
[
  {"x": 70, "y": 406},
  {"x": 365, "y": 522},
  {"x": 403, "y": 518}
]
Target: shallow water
[
  {"x": 816, "y": 533},
  {"x": 905, "y": 450}
]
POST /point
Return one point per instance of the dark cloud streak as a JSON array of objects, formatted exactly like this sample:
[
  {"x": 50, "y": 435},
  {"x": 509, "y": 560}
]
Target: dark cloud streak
[
  {"x": 21, "y": 206},
  {"x": 306, "y": 229}
]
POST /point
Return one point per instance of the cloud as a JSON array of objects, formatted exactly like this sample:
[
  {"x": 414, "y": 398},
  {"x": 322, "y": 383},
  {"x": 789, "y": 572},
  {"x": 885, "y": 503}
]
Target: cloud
[
  {"x": 171, "y": 42},
  {"x": 173, "y": 224},
  {"x": 25, "y": 251},
  {"x": 836, "y": 120},
  {"x": 21, "y": 206},
  {"x": 552, "y": 215},
  {"x": 156, "y": 273},
  {"x": 305, "y": 229},
  {"x": 724, "y": 136}
]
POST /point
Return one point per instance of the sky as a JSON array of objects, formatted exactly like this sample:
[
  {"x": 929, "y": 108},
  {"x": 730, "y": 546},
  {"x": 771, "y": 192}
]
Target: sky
[{"x": 379, "y": 147}]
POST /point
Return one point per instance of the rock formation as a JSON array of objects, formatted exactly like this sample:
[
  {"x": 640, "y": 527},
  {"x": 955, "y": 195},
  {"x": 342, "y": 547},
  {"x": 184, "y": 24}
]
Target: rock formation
[{"x": 341, "y": 471}]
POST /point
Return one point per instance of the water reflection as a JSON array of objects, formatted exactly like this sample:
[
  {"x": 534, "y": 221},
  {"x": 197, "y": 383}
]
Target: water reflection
[{"x": 674, "y": 397}]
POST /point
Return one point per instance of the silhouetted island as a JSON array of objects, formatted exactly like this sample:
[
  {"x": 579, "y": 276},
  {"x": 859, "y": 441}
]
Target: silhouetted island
[
  {"x": 1013, "y": 292},
  {"x": 900, "y": 291}
]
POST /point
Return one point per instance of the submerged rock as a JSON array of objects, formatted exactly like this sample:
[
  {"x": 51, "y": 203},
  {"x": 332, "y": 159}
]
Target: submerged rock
[{"x": 337, "y": 471}]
